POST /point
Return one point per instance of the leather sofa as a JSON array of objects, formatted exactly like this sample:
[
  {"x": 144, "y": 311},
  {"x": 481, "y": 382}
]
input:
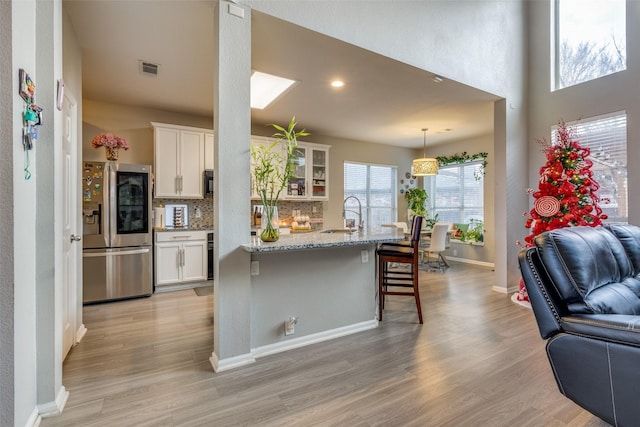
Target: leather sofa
[{"x": 584, "y": 288}]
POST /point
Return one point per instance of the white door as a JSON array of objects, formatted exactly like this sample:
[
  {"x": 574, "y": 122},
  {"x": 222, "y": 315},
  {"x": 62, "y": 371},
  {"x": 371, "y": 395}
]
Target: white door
[
  {"x": 194, "y": 264},
  {"x": 71, "y": 234}
]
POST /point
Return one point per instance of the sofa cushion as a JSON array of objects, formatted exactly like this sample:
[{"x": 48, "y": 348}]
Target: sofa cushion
[
  {"x": 629, "y": 237},
  {"x": 590, "y": 270}
]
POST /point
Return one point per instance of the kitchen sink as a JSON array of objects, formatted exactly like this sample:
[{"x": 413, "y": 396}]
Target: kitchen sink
[{"x": 339, "y": 230}]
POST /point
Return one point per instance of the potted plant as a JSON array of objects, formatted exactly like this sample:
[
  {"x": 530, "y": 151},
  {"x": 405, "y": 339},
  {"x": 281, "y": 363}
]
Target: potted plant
[
  {"x": 273, "y": 167},
  {"x": 416, "y": 200},
  {"x": 474, "y": 232}
]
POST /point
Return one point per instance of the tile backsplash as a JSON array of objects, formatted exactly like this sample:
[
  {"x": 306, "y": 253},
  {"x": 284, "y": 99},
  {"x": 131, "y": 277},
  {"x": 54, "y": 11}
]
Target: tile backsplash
[
  {"x": 285, "y": 210},
  {"x": 205, "y": 205}
]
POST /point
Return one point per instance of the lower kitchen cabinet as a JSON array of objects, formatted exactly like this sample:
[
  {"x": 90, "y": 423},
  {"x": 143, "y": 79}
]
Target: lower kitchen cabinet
[{"x": 180, "y": 257}]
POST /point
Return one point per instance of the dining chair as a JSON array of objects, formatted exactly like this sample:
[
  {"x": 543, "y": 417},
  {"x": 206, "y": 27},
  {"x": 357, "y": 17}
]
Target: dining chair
[
  {"x": 437, "y": 245},
  {"x": 392, "y": 254}
]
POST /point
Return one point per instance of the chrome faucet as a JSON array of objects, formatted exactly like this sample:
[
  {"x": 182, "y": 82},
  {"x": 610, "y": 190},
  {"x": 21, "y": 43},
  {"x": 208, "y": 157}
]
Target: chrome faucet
[{"x": 345, "y": 210}]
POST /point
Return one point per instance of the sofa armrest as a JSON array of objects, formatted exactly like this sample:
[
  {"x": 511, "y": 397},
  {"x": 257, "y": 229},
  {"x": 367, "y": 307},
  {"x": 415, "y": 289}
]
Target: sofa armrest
[{"x": 620, "y": 328}]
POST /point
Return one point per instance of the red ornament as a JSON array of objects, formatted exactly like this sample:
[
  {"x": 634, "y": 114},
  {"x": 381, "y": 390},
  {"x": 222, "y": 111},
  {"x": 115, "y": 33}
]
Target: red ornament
[{"x": 547, "y": 206}]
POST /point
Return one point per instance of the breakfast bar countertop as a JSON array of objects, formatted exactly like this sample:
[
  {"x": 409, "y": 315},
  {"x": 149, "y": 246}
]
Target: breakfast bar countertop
[{"x": 323, "y": 239}]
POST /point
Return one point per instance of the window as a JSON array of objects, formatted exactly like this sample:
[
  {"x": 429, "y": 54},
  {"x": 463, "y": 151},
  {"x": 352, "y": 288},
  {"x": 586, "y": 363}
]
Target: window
[
  {"x": 456, "y": 194},
  {"x": 606, "y": 137},
  {"x": 375, "y": 187},
  {"x": 590, "y": 40}
]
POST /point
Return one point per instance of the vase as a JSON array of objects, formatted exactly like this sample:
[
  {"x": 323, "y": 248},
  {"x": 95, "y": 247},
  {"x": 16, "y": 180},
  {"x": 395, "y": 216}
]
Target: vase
[
  {"x": 269, "y": 229},
  {"x": 111, "y": 152}
]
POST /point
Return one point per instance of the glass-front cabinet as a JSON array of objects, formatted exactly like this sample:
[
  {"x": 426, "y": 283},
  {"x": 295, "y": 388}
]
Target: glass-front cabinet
[
  {"x": 319, "y": 173},
  {"x": 311, "y": 173},
  {"x": 297, "y": 187}
]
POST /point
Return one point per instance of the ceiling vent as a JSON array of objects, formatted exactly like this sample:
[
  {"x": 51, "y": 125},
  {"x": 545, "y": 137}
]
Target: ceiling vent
[{"x": 148, "y": 68}]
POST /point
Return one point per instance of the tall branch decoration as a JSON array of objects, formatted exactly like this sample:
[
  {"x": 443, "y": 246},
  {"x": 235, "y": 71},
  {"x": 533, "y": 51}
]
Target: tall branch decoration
[{"x": 566, "y": 194}]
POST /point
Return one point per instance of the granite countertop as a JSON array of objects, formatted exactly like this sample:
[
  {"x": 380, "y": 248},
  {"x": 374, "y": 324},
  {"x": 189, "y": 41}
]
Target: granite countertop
[{"x": 318, "y": 239}]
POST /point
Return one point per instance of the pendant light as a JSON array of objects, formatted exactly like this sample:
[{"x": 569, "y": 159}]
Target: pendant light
[{"x": 424, "y": 166}]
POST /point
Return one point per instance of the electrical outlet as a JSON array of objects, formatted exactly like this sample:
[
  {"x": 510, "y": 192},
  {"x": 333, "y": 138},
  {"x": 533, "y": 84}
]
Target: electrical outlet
[
  {"x": 255, "y": 268},
  {"x": 198, "y": 213},
  {"x": 364, "y": 254},
  {"x": 290, "y": 325},
  {"x": 455, "y": 252},
  {"x": 314, "y": 209}
]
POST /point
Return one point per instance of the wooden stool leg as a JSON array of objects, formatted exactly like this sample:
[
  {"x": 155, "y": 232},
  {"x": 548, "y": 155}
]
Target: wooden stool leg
[
  {"x": 381, "y": 272},
  {"x": 417, "y": 294}
]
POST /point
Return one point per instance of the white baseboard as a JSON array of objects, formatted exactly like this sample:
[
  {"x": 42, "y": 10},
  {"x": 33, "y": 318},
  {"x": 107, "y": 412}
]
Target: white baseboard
[
  {"x": 268, "y": 349},
  {"x": 182, "y": 286},
  {"x": 56, "y": 407},
  {"x": 220, "y": 365},
  {"x": 80, "y": 333},
  {"x": 471, "y": 261},
  {"x": 34, "y": 419}
]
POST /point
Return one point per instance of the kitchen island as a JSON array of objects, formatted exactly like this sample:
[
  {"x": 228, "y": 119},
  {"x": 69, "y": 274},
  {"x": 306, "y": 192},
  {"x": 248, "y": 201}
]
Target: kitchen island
[{"x": 325, "y": 280}]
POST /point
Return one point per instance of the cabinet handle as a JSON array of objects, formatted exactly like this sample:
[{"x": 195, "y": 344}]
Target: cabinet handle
[
  {"x": 181, "y": 183},
  {"x": 179, "y": 257},
  {"x": 182, "y": 253},
  {"x": 177, "y": 184}
]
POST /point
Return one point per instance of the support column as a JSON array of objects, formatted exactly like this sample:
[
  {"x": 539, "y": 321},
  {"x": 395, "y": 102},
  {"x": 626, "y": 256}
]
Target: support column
[
  {"x": 49, "y": 194},
  {"x": 232, "y": 128}
]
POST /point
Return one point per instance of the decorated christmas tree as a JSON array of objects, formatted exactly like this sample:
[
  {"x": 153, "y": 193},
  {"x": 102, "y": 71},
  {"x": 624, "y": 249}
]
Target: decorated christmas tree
[{"x": 566, "y": 194}]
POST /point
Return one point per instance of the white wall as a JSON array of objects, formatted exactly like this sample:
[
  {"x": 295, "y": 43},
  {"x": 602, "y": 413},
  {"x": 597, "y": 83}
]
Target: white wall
[
  {"x": 24, "y": 225},
  {"x": 7, "y": 84},
  {"x": 611, "y": 93},
  {"x": 132, "y": 123}
]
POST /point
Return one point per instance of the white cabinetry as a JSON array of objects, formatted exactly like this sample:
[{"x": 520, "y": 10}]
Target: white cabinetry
[
  {"x": 179, "y": 161},
  {"x": 208, "y": 151},
  {"x": 311, "y": 174},
  {"x": 180, "y": 257}
]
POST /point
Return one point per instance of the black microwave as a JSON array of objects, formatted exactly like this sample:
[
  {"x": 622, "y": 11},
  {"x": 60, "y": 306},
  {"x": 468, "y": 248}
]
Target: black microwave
[{"x": 208, "y": 182}]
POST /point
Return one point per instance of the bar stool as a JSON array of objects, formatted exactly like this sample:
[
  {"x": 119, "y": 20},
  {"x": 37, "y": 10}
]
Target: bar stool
[{"x": 400, "y": 253}]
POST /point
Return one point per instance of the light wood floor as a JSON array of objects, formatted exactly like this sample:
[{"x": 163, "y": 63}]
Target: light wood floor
[{"x": 477, "y": 361}]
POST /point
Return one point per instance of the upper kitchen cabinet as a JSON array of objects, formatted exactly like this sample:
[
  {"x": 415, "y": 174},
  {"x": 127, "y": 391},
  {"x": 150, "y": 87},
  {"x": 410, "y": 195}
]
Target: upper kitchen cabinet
[
  {"x": 179, "y": 154},
  {"x": 208, "y": 151},
  {"x": 311, "y": 173}
]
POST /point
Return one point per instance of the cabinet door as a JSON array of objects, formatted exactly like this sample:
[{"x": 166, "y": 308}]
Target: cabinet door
[
  {"x": 168, "y": 260},
  {"x": 297, "y": 187},
  {"x": 194, "y": 266},
  {"x": 208, "y": 151},
  {"x": 167, "y": 155},
  {"x": 191, "y": 164},
  {"x": 319, "y": 174}
]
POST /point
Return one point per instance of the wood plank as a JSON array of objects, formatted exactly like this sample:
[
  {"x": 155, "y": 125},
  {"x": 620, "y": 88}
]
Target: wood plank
[{"x": 477, "y": 360}]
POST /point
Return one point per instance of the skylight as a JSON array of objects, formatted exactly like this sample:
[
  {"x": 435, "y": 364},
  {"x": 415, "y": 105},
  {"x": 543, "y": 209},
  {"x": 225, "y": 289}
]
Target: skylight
[{"x": 265, "y": 88}]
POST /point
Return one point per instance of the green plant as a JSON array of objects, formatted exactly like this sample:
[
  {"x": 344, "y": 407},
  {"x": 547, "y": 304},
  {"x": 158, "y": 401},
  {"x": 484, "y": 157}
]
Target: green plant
[
  {"x": 430, "y": 221},
  {"x": 273, "y": 167},
  {"x": 475, "y": 231},
  {"x": 416, "y": 200}
]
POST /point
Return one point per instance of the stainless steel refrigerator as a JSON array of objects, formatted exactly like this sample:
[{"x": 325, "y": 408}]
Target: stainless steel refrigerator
[{"x": 117, "y": 231}]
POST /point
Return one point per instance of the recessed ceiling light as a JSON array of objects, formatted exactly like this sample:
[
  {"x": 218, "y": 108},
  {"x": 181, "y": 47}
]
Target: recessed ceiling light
[
  {"x": 265, "y": 88},
  {"x": 337, "y": 83},
  {"x": 436, "y": 78}
]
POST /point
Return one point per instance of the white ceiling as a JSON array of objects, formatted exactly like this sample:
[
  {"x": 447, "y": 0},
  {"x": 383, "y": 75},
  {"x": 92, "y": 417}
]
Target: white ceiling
[{"x": 383, "y": 101}]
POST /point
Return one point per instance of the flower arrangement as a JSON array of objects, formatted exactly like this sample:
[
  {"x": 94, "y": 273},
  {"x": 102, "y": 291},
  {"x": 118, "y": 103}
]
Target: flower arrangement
[
  {"x": 273, "y": 167},
  {"x": 109, "y": 140}
]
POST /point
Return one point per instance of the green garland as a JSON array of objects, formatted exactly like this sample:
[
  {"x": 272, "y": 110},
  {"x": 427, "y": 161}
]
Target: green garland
[{"x": 463, "y": 158}]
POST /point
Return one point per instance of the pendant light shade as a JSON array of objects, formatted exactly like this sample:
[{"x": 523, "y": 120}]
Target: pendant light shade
[{"x": 424, "y": 166}]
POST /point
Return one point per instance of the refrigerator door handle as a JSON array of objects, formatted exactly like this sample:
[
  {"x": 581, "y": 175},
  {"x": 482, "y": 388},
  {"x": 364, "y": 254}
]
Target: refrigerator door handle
[{"x": 118, "y": 253}]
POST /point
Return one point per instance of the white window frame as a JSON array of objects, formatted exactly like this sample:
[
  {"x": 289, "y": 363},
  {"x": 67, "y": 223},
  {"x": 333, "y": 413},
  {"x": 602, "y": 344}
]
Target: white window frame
[
  {"x": 599, "y": 158},
  {"x": 431, "y": 187},
  {"x": 557, "y": 43},
  {"x": 366, "y": 203}
]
